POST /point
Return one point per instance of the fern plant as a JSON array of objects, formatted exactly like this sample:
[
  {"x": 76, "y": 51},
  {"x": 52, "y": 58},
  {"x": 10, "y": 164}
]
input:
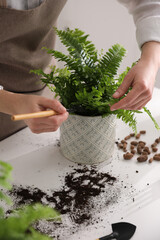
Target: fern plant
[
  {"x": 5, "y": 177},
  {"x": 87, "y": 81}
]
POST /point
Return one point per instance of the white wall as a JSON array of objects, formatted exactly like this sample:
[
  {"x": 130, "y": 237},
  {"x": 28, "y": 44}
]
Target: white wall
[{"x": 107, "y": 21}]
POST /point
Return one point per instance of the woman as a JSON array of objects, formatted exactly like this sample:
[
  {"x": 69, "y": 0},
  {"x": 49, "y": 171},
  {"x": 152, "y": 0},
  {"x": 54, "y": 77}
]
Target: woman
[{"x": 22, "y": 34}]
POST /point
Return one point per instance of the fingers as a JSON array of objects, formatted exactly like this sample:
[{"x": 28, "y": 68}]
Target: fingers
[
  {"x": 141, "y": 93},
  {"x": 43, "y": 130},
  {"x": 138, "y": 106},
  {"x": 45, "y": 124},
  {"x": 49, "y": 124},
  {"x": 52, "y": 104},
  {"x": 57, "y": 119},
  {"x": 126, "y": 101},
  {"x": 133, "y": 101},
  {"x": 124, "y": 86}
]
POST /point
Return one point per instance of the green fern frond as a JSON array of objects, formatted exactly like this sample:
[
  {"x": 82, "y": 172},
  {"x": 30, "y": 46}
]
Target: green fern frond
[
  {"x": 88, "y": 46},
  {"x": 111, "y": 60},
  {"x": 71, "y": 63},
  {"x": 128, "y": 117},
  {"x": 150, "y": 115},
  {"x": 5, "y": 175},
  {"x": 18, "y": 225},
  {"x": 77, "y": 46},
  {"x": 122, "y": 76}
]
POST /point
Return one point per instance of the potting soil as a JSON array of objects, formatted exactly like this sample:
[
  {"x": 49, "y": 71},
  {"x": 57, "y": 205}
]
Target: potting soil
[{"x": 86, "y": 193}]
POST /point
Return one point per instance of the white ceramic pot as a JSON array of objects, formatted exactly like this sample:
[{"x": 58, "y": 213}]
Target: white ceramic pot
[{"x": 88, "y": 140}]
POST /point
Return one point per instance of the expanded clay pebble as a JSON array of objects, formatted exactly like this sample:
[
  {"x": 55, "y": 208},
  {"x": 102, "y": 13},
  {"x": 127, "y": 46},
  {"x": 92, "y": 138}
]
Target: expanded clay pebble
[
  {"x": 142, "y": 144},
  {"x": 154, "y": 149},
  {"x": 141, "y": 148},
  {"x": 150, "y": 160},
  {"x": 157, "y": 140},
  {"x": 135, "y": 143},
  {"x": 123, "y": 141},
  {"x": 146, "y": 149},
  {"x": 127, "y": 137},
  {"x": 144, "y": 153},
  {"x": 133, "y": 151},
  {"x": 142, "y": 132},
  {"x": 132, "y": 134},
  {"x": 128, "y": 156},
  {"x": 142, "y": 158},
  {"x": 138, "y": 136},
  {"x": 124, "y": 145},
  {"x": 154, "y": 144},
  {"x": 120, "y": 145},
  {"x": 156, "y": 157},
  {"x": 157, "y": 154}
]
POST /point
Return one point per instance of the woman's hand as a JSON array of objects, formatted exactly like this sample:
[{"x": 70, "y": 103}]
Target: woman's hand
[
  {"x": 12, "y": 103},
  {"x": 46, "y": 124},
  {"x": 141, "y": 78}
]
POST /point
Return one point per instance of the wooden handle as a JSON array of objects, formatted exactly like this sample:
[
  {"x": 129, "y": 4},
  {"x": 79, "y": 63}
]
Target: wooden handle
[{"x": 33, "y": 115}]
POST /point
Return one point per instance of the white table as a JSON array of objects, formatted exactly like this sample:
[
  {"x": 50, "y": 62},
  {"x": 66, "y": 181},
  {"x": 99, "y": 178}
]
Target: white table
[{"x": 37, "y": 161}]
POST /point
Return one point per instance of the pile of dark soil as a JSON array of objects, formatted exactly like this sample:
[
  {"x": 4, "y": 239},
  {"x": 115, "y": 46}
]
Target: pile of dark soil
[{"x": 85, "y": 193}]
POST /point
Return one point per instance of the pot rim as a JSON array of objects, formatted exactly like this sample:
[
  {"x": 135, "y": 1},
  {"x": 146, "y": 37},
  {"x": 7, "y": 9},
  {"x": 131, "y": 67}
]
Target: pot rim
[{"x": 98, "y": 116}]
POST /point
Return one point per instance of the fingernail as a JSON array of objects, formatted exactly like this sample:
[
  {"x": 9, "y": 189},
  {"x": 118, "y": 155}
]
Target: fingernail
[
  {"x": 61, "y": 109},
  {"x": 116, "y": 94},
  {"x": 113, "y": 108}
]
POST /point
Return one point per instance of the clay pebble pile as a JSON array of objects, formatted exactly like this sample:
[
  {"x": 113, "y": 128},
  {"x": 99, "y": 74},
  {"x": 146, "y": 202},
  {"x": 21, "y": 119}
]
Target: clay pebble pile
[{"x": 140, "y": 149}]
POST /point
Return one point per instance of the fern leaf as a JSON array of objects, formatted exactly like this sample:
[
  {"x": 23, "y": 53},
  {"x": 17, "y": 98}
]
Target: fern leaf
[
  {"x": 5, "y": 175},
  {"x": 128, "y": 117},
  {"x": 150, "y": 115},
  {"x": 70, "y": 62},
  {"x": 77, "y": 45},
  {"x": 110, "y": 62}
]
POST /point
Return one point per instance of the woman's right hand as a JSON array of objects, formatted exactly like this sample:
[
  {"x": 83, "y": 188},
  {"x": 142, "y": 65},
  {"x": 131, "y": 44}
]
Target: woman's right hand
[{"x": 21, "y": 103}]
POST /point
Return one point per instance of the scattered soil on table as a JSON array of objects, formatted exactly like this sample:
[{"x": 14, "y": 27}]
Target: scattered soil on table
[{"x": 86, "y": 193}]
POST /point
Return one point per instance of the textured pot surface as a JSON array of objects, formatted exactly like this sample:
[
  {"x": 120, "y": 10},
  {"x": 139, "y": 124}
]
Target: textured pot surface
[{"x": 88, "y": 140}]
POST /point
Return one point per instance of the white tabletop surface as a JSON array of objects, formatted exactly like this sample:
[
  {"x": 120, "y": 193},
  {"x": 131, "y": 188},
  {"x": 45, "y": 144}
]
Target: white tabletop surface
[{"x": 37, "y": 160}]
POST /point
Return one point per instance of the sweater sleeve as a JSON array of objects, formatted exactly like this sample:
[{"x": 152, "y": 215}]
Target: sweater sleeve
[{"x": 146, "y": 15}]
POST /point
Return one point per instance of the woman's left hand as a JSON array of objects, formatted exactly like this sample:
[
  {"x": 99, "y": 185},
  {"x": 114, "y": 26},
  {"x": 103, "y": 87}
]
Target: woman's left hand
[{"x": 141, "y": 79}]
